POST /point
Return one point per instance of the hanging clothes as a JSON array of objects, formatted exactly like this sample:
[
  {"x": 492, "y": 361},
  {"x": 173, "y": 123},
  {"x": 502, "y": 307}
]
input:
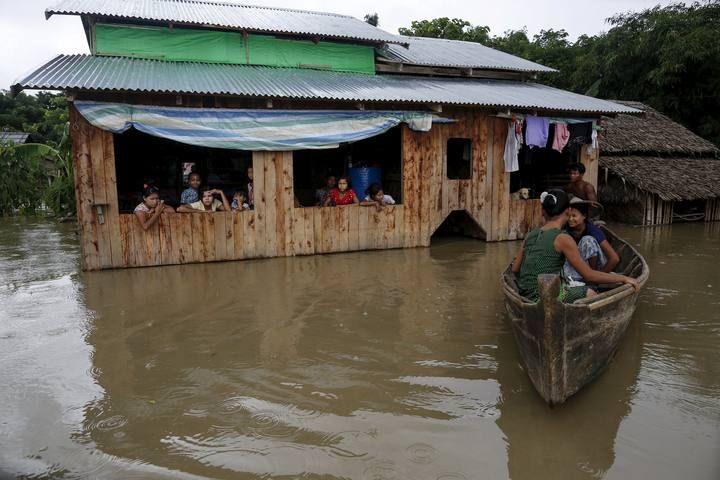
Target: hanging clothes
[
  {"x": 593, "y": 142},
  {"x": 512, "y": 147},
  {"x": 580, "y": 133},
  {"x": 561, "y": 137},
  {"x": 536, "y": 131}
]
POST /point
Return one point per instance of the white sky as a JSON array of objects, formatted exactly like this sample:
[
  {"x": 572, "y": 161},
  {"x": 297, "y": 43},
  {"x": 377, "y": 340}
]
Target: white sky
[{"x": 27, "y": 40}]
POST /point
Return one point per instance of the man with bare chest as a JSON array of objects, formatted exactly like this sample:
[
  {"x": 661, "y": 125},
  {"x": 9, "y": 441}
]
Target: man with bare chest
[{"x": 579, "y": 187}]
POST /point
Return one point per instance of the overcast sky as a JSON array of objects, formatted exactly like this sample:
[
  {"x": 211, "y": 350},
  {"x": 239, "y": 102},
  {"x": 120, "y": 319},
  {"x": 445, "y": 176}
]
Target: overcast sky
[{"x": 27, "y": 40}]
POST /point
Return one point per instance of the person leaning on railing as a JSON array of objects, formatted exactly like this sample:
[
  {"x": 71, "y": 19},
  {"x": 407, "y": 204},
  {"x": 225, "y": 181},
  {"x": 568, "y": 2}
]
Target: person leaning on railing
[
  {"x": 208, "y": 203},
  {"x": 149, "y": 210}
]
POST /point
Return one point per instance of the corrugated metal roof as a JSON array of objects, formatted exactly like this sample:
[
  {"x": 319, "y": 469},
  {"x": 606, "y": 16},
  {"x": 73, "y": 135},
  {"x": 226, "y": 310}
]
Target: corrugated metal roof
[
  {"x": 84, "y": 72},
  {"x": 230, "y": 15},
  {"x": 14, "y": 137},
  {"x": 456, "y": 54}
]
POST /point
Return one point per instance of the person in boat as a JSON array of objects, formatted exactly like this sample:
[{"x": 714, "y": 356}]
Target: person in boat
[
  {"x": 578, "y": 187},
  {"x": 594, "y": 247},
  {"x": 376, "y": 197},
  {"x": 149, "y": 210},
  {"x": 546, "y": 249},
  {"x": 208, "y": 203},
  {"x": 342, "y": 195}
]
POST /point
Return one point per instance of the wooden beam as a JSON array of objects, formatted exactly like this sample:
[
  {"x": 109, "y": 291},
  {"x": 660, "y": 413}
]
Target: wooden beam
[{"x": 446, "y": 71}]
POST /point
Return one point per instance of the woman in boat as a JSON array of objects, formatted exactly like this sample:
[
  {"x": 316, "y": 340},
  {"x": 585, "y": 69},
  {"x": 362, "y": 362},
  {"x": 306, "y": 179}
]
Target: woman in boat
[
  {"x": 148, "y": 212},
  {"x": 546, "y": 249},
  {"x": 592, "y": 243},
  {"x": 342, "y": 195}
]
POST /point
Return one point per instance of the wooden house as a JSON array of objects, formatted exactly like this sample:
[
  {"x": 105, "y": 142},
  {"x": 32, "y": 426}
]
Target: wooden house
[
  {"x": 439, "y": 111},
  {"x": 654, "y": 171}
]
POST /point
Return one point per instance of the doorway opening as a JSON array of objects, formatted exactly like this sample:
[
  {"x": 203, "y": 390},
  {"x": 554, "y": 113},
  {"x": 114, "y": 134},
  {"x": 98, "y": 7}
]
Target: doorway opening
[{"x": 459, "y": 224}]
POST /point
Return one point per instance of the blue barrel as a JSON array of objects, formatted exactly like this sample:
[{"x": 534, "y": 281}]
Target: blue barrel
[{"x": 361, "y": 178}]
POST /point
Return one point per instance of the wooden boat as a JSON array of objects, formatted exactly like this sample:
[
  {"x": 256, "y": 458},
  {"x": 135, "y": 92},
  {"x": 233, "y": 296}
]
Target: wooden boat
[{"x": 565, "y": 346}]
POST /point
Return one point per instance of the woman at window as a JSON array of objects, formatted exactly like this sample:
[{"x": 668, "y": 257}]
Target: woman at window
[
  {"x": 342, "y": 195},
  {"x": 149, "y": 210}
]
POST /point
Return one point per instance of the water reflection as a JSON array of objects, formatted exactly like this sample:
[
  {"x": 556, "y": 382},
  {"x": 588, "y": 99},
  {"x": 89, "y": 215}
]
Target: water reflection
[
  {"x": 395, "y": 364},
  {"x": 577, "y": 439},
  {"x": 325, "y": 365}
]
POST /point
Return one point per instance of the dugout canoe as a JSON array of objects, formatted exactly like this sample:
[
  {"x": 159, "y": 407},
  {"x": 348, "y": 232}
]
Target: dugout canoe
[{"x": 563, "y": 347}]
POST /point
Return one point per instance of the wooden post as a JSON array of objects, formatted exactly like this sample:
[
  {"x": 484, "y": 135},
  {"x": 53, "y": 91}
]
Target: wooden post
[{"x": 553, "y": 333}]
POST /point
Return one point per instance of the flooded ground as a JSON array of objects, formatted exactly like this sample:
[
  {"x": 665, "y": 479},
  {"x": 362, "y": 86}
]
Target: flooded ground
[{"x": 374, "y": 365}]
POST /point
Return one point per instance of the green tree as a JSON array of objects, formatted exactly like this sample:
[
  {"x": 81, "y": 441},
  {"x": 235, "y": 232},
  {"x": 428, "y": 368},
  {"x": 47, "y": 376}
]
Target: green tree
[
  {"x": 22, "y": 182},
  {"x": 373, "y": 19},
  {"x": 667, "y": 57},
  {"x": 452, "y": 29}
]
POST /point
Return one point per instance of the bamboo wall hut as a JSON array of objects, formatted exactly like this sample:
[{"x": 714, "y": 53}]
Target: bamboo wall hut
[
  {"x": 654, "y": 171},
  {"x": 154, "y": 60}
]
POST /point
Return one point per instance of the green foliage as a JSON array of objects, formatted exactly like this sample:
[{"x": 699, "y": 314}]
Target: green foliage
[
  {"x": 43, "y": 115},
  {"x": 452, "y": 29},
  {"x": 373, "y": 19},
  {"x": 22, "y": 181},
  {"x": 667, "y": 57}
]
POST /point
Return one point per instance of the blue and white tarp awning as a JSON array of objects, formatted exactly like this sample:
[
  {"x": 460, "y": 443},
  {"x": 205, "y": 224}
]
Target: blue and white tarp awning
[{"x": 277, "y": 130}]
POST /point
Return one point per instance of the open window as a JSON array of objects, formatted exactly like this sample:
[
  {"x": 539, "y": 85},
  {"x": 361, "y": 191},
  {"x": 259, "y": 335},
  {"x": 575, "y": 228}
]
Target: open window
[
  {"x": 373, "y": 160},
  {"x": 142, "y": 158},
  {"x": 459, "y": 158}
]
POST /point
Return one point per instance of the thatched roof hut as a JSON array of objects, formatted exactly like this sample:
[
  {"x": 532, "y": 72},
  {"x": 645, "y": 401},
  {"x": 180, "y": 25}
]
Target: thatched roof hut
[{"x": 650, "y": 162}]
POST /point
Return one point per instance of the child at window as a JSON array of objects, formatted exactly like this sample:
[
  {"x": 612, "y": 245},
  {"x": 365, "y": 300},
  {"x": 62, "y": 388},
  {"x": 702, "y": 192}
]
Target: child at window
[
  {"x": 190, "y": 194},
  {"x": 342, "y": 195},
  {"x": 375, "y": 196},
  {"x": 148, "y": 212},
  {"x": 239, "y": 202},
  {"x": 208, "y": 203}
]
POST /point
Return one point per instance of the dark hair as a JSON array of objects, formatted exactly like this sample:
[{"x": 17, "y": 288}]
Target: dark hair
[
  {"x": 373, "y": 189},
  {"x": 149, "y": 190},
  {"x": 577, "y": 166},
  {"x": 240, "y": 192},
  {"x": 583, "y": 208},
  {"x": 194, "y": 173},
  {"x": 343, "y": 177},
  {"x": 204, "y": 188},
  {"x": 554, "y": 202}
]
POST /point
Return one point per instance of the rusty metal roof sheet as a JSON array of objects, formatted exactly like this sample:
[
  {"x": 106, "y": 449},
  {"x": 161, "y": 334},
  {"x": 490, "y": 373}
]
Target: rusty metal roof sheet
[
  {"x": 93, "y": 73},
  {"x": 230, "y": 15},
  {"x": 439, "y": 52}
]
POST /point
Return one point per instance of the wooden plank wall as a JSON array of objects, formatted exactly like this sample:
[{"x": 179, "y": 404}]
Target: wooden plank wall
[
  {"x": 657, "y": 211},
  {"x": 275, "y": 228},
  {"x": 712, "y": 210}
]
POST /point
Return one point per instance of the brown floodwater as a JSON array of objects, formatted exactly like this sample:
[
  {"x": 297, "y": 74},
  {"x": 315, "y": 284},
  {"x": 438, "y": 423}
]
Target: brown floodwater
[{"x": 373, "y": 365}]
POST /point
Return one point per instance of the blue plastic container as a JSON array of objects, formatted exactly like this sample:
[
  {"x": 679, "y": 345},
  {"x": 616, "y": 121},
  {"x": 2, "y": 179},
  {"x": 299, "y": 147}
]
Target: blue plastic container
[{"x": 361, "y": 178}]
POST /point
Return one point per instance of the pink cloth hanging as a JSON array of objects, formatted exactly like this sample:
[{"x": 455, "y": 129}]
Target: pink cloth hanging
[{"x": 562, "y": 135}]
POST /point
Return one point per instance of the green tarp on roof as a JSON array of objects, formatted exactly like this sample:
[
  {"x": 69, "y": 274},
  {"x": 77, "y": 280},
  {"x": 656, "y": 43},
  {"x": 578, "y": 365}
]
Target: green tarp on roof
[{"x": 180, "y": 44}]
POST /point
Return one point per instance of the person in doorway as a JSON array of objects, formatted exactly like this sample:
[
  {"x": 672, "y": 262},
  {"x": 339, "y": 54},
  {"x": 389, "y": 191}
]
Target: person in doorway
[
  {"x": 342, "y": 195},
  {"x": 190, "y": 194},
  {"x": 208, "y": 203},
  {"x": 546, "y": 249},
  {"x": 239, "y": 202},
  {"x": 321, "y": 194},
  {"x": 376, "y": 197},
  {"x": 578, "y": 187},
  {"x": 149, "y": 210},
  {"x": 250, "y": 188},
  {"x": 594, "y": 247}
]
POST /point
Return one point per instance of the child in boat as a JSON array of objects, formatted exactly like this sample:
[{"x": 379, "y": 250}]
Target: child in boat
[
  {"x": 208, "y": 202},
  {"x": 148, "y": 212},
  {"x": 376, "y": 197},
  {"x": 342, "y": 195},
  {"x": 239, "y": 202},
  {"x": 546, "y": 249},
  {"x": 190, "y": 194},
  {"x": 592, "y": 243}
]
